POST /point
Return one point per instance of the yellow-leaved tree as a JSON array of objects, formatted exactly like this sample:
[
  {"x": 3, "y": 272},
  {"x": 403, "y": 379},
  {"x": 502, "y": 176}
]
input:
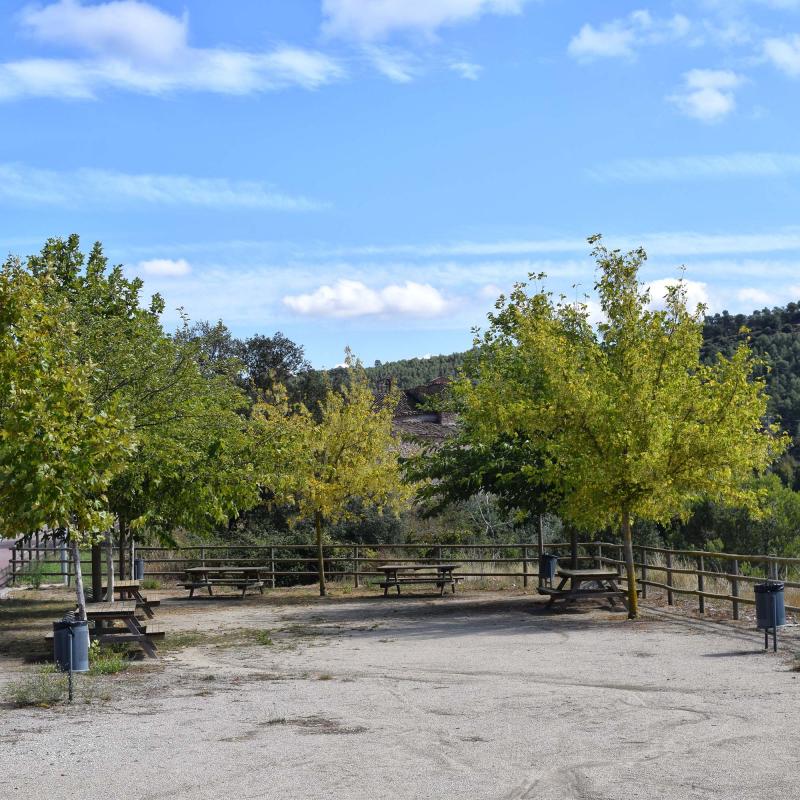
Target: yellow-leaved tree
[
  {"x": 333, "y": 464},
  {"x": 630, "y": 423}
]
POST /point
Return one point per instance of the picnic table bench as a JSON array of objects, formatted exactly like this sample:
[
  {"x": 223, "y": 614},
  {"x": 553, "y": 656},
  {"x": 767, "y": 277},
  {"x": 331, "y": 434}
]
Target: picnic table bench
[
  {"x": 122, "y": 611},
  {"x": 604, "y": 585},
  {"x": 243, "y": 578},
  {"x": 397, "y": 575},
  {"x": 131, "y": 590}
]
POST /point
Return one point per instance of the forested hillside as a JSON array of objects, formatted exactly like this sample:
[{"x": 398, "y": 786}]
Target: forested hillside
[
  {"x": 775, "y": 336},
  {"x": 774, "y": 333},
  {"x": 410, "y": 372}
]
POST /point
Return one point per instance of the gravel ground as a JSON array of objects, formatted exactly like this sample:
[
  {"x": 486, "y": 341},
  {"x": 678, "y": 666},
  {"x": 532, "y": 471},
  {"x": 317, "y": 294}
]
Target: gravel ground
[{"x": 478, "y": 696}]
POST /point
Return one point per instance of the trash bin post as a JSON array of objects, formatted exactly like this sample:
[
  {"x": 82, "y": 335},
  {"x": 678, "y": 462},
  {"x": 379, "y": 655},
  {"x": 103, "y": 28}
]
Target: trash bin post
[{"x": 770, "y": 610}]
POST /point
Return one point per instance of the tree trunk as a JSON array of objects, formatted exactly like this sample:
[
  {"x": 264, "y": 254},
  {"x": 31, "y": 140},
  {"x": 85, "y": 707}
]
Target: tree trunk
[
  {"x": 110, "y": 567},
  {"x": 121, "y": 539},
  {"x": 541, "y": 535},
  {"x": 320, "y": 556},
  {"x": 573, "y": 542},
  {"x": 97, "y": 572},
  {"x": 76, "y": 561},
  {"x": 630, "y": 569}
]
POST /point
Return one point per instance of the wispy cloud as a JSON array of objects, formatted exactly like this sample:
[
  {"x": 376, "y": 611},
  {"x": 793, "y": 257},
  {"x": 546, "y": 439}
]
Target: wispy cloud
[
  {"x": 350, "y": 298},
  {"x": 166, "y": 267},
  {"x": 784, "y": 53},
  {"x": 707, "y": 94},
  {"x": 134, "y": 46},
  {"x": 466, "y": 69},
  {"x": 622, "y": 38},
  {"x": 372, "y": 20},
  {"x": 681, "y": 168},
  {"x": 92, "y": 187},
  {"x": 397, "y": 65}
]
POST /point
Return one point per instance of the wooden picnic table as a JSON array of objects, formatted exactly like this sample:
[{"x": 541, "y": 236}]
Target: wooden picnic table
[
  {"x": 604, "y": 580},
  {"x": 131, "y": 590},
  {"x": 243, "y": 578},
  {"x": 393, "y": 575},
  {"x": 122, "y": 611}
]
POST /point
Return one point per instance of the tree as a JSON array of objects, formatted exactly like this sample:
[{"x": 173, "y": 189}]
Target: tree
[
  {"x": 59, "y": 452},
  {"x": 271, "y": 360},
  {"x": 188, "y": 468},
  {"x": 629, "y": 420},
  {"x": 333, "y": 467}
]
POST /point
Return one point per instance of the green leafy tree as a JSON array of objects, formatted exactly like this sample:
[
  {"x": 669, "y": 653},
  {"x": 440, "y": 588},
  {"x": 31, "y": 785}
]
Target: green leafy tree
[
  {"x": 59, "y": 451},
  {"x": 333, "y": 467},
  {"x": 188, "y": 469},
  {"x": 629, "y": 420}
]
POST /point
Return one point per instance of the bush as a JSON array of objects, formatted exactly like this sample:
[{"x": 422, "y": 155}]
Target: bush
[
  {"x": 107, "y": 662},
  {"x": 45, "y": 688},
  {"x": 33, "y": 574},
  {"x": 151, "y": 583}
]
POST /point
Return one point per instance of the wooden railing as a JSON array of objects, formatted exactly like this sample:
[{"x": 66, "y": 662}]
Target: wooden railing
[{"x": 706, "y": 575}]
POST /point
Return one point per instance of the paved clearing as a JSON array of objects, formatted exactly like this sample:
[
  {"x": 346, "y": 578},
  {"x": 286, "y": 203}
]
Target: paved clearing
[{"x": 484, "y": 695}]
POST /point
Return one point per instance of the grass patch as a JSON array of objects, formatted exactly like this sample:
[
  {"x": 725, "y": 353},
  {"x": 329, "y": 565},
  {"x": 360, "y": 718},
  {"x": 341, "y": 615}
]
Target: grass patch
[
  {"x": 44, "y": 688},
  {"x": 151, "y": 583},
  {"x": 108, "y": 661},
  {"x": 325, "y": 677},
  {"x": 264, "y": 638}
]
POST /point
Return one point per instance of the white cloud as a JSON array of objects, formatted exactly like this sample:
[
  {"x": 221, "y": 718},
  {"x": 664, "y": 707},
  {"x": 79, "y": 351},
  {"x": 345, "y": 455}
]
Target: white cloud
[
  {"x": 371, "y": 20},
  {"x": 126, "y": 27},
  {"x": 467, "y": 70},
  {"x": 784, "y": 54},
  {"x": 757, "y": 297},
  {"x": 397, "y": 65},
  {"x": 733, "y": 165},
  {"x": 133, "y": 46},
  {"x": 92, "y": 187},
  {"x": 349, "y": 298},
  {"x": 166, "y": 267},
  {"x": 696, "y": 292},
  {"x": 708, "y": 94},
  {"x": 621, "y": 38}
]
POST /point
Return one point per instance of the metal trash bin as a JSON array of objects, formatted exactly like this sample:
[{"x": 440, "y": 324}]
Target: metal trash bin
[
  {"x": 71, "y": 634},
  {"x": 548, "y": 564},
  {"x": 770, "y": 609},
  {"x": 138, "y": 569}
]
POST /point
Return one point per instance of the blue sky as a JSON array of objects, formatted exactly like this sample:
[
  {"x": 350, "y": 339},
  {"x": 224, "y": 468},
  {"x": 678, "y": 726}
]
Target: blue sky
[{"x": 373, "y": 173}]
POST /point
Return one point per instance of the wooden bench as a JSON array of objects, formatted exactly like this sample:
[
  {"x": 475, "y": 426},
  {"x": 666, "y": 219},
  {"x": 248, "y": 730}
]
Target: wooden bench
[
  {"x": 605, "y": 581},
  {"x": 421, "y": 574},
  {"x": 243, "y": 578},
  {"x": 105, "y": 614},
  {"x": 131, "y": 590}
]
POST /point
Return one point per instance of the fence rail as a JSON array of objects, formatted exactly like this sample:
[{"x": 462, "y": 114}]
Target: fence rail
[{"x": 706, "y": 575}]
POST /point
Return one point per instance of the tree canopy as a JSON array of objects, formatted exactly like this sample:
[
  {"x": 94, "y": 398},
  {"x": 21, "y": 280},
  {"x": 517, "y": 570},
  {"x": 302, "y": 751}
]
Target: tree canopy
[{"x": 631, "y": 423}]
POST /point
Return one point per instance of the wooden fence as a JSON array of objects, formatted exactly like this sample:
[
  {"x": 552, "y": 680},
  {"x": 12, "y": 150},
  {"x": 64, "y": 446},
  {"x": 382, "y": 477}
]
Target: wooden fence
[{"x": 722, "y": 577}]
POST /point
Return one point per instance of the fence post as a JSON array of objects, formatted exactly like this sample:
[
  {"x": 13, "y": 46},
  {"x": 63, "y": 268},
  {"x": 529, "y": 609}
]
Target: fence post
[
  {"x": 13, "y": 564},
  {"x": 355, "y": 566},
  {"x": 643, "y": 556},
  {"x": 439, "y": 553},
  {"x": 701, "y": 584},
  {"x": 735, "y": 589},
  {"x": 599, "y": 555},
  {"x": 669, "y": 578},
  {"x": 525, "y": 567},
  {"x": 272, "y": 567},
  {"x": 202, "y": 556},
  {"x": 64, "y": 564}
]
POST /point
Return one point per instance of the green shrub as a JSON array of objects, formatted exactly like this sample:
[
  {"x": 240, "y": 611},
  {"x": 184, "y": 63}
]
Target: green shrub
[
  {"x": 109, "y": 661},
  {"x": 33, "y": 574},
  {"x": 151, "y": 583},
  {"x": 44, "y": 688}
]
